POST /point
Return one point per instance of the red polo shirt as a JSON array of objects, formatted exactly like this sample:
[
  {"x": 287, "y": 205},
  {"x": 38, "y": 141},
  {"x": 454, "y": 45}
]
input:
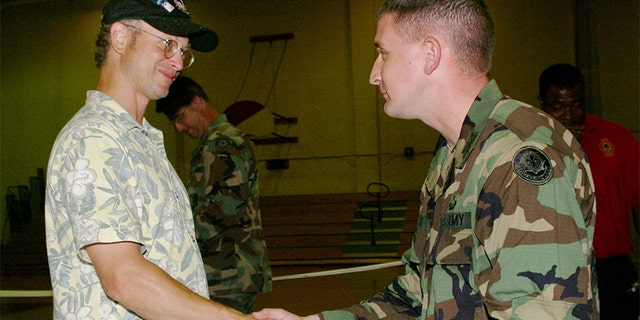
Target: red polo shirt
[{"x": 613, "y": 154}]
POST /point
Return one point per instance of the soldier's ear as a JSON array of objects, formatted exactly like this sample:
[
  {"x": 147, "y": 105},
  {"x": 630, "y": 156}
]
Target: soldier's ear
[
  {"x": 433, "y": 52},
  {"x": 197, "y": 101}
]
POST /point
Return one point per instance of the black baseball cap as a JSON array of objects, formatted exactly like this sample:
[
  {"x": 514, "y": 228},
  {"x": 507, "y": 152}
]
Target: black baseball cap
[{"x": 168, "y": 16}]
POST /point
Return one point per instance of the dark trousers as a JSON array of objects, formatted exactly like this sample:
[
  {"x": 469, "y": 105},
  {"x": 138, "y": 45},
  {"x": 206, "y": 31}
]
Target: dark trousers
[{"x": 616, "y": 276}]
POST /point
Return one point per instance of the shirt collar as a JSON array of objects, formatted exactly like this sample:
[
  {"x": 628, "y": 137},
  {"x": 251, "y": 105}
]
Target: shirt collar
[
  {"x": 475, "y": 121},
  {"x": 124, "y": 118}
]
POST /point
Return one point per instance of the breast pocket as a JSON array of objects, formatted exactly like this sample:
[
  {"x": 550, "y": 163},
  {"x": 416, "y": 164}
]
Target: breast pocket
[
  {"x": 454, "y": 241},
  {"x": 421, "y": 236}
]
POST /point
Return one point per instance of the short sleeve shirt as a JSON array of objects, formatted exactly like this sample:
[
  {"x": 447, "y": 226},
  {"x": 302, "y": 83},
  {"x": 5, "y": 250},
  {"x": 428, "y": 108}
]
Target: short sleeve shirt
[
  {"x": 614, "y": 157},
  {"x": 109, "y": 180}
]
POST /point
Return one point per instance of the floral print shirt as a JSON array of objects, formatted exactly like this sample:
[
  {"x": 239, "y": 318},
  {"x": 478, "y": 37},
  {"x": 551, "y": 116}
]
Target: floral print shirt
[{"x": 109, "y": 180}]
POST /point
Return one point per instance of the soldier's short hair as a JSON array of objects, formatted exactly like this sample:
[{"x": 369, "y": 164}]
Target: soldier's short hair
[
  {"x": 181, "y": 93},
  {"x": 467, "y": 24}
]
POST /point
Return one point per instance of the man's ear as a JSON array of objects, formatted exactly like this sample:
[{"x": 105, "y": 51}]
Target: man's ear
[
  {"x": 197, "y": 101},
  {"x": 433, "y": 53},
  {"x": 119, "y": 35},
  {"x": 541, "y": 102}
]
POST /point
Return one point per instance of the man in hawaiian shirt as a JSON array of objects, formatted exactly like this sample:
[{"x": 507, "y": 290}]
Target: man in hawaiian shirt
[{"x": 120, "y": 234}]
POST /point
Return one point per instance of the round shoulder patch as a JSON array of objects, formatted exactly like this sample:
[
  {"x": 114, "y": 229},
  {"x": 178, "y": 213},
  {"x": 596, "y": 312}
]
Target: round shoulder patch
[{"x": 532, "y": 165}]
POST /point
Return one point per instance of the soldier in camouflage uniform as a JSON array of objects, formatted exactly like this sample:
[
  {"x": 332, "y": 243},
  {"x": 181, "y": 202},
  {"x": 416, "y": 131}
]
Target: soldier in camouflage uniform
[
  {"x": 223, "y": 188},
  {"x": 507, "y": 208}
]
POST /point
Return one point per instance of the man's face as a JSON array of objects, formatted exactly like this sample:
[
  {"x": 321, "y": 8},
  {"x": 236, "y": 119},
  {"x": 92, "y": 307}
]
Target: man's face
[
  {"x": 397, "y": 70},
  {"x": 566, "y": 105},
  {"x": 190, "y": 121},
  {"x": 146, "y": 64}
]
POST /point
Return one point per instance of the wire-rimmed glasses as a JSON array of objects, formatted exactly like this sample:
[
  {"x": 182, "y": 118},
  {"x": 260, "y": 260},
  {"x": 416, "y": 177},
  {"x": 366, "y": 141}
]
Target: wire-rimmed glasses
[
  {"x": 171, "y": 47},
  {"x": 179, "y": 118}
]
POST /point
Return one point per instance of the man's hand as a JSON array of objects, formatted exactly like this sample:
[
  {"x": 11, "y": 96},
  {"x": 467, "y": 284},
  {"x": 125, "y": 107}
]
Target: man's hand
[{"x": 281, "y": 314}]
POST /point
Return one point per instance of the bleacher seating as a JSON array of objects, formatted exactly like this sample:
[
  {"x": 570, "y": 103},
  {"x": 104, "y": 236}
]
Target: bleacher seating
[
  {"x": 330, "y": 229},
  {"x": 299, "y": 229}
]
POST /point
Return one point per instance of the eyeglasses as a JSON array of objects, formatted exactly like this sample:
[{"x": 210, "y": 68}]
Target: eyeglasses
[{"x": 171, "y": 47}]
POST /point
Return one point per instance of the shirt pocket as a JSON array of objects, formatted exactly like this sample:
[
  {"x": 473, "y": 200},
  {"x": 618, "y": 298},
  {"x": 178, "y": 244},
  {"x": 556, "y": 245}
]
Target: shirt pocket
[
  {"x": 421, "y": 236},
  {"x": 454, "y": 241}
]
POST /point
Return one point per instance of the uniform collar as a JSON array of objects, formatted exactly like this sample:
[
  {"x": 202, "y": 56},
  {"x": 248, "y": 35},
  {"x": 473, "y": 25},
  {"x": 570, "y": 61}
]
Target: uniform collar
[
  {"x": 215, "y": 124},
  {"x": 445, "y": 161},
  {"x": 475, "y": 121}
]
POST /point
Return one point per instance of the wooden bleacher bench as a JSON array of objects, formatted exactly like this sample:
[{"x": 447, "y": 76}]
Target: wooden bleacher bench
[{"x": 329, "y": 229}]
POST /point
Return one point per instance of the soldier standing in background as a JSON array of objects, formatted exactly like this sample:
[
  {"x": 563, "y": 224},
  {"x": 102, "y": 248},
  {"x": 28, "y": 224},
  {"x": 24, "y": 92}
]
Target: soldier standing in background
[{"x": 223, "y": 189}]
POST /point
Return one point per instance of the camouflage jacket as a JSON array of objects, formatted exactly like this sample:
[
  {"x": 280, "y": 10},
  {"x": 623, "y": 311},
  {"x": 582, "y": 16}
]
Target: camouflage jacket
[
  {"x": 223, "y": 189},
  {"x": 505, "y": 228}
]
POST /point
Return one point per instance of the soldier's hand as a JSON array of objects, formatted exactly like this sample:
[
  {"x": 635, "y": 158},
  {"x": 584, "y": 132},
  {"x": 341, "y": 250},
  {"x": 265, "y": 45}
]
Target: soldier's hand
[{"x": 280, "y": 314}]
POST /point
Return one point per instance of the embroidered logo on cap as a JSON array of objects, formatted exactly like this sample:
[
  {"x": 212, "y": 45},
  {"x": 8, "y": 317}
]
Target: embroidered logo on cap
[
  {"x": 532, "y": 165},
  {"x": 181, "y": 6},
  {"x": 169, "y": 7},
  {"x": 165, "y": 4}
]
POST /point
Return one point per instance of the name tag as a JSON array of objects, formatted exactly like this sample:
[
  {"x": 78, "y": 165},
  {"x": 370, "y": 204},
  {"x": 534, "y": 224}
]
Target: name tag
[{"x": 456, "y": 220}]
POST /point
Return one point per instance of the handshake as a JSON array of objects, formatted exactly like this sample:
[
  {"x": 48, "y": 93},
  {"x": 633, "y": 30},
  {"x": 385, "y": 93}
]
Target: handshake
[{"x": 280, "y": 314}]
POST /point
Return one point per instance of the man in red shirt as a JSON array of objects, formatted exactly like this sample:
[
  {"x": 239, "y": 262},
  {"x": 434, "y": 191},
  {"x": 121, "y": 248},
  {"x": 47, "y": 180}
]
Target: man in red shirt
[{"x": 613, "y": 156}]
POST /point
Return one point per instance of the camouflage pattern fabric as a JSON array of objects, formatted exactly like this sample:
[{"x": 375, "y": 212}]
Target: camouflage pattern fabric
[
  {"x": 223, "y": 189},
  {"x": 505, "y": 228}
]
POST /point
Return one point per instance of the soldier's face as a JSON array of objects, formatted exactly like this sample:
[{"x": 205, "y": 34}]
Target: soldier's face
[
  {"x": 398, "y": 70},
  {"x": 189, "y": 121}
]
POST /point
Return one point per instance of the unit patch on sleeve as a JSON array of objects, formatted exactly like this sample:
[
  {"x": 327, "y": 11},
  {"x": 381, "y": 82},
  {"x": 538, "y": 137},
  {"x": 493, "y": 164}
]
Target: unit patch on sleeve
[{"x": 532, "y": 165}]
